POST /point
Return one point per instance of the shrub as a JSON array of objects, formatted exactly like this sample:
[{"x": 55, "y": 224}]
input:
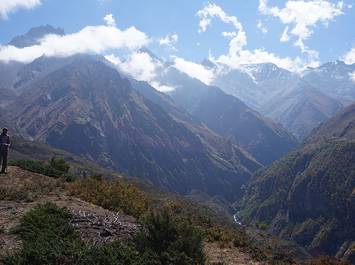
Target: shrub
[
  {"x": 173, "y": 242},
  {"x": 55, "y": 167},
  {"x": 113, "y": 195},
  {"x": 47, "y": 237}
]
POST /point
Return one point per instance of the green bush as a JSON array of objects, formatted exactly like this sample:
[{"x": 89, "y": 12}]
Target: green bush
[
  {"x": 173, "y": 242},
  {"x": 47, "y": 238},
  {"x": 55, "y": 167}
]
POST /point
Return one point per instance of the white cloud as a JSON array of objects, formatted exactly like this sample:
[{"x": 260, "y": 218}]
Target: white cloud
[
  {"x": 238, "y": 54},
  {"x": 169, "y": 41},
  {"x": 194, "y": 70},
  {"x": 352, "y": 76},
  {"x": 110, "y": 20},
  {"x": 8, "y": 6},
  {"x": 91, "y": 39},
  {"x": 261, "y": 26},
  {"x": 141, "y": 66},
  {"x": 349, "y": 57},
  {"x": 261, "y": 56},
  {"x": 285, "y": 37},
  {"x": 211, "y": 11},
  {"x": 303, "y": 17}
]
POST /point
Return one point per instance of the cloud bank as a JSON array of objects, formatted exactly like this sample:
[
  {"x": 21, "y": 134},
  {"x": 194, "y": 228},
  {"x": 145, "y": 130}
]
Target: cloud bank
[
  {"x": 349, "y": 57},
  {"x": 9, "y": 6},
  {"x": 169, "y": 41},
  {"x": 91, "y": 39}
]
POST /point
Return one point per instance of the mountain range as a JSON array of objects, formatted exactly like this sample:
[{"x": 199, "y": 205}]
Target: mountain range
[
  {"x": 280, "y": 146},
  {"x": 300, "y": 102},
  {"x": 87, "y": 108},
  {"x": 84, "y": 106}
]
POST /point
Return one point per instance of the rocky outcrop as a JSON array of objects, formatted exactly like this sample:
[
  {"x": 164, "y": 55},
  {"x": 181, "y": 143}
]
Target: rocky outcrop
[{"x": 99, "y": 229}]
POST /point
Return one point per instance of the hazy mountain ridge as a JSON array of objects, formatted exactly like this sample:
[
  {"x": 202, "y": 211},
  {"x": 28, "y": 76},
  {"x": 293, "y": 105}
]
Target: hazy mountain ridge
[
  {"x": 285, "y": 97},
  {"x": 231, "y": 118},
  {"x": 334, "y": 79}
]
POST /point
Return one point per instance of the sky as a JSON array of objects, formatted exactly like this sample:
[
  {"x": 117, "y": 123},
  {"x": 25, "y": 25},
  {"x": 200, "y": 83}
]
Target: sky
[{"x": 293, "y": 34}]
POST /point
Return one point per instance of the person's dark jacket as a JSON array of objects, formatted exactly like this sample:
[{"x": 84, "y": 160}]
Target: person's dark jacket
[{"x": 4, "y": 142}]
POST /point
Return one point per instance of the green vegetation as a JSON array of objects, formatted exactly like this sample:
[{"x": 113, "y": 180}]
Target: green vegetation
[
  {"x": 55, "y": 167},
  {"x": 30, "y": 191},
  {"x": 116, "y": 195},
  {"x": 48, "y": 238},
  {"x": 306, "y": 196},
  {"x": 172, "y": 242}
]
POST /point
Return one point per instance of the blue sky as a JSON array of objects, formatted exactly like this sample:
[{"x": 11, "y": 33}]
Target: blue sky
[{"x": 331, "y": 38}]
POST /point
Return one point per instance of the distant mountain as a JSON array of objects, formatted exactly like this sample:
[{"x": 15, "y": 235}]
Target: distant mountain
[
  {"x": 334, "y": 79},
  {"x": 34, "y": 35},
  {"x": 14, "y": 74},
  {"x": 88, "y": 109},
  {"x": 308, "y": 196},
  {"x": 301, "y": 109},
  {"x": 280, "y": 95},
  {"x": 231, "y": 118}
]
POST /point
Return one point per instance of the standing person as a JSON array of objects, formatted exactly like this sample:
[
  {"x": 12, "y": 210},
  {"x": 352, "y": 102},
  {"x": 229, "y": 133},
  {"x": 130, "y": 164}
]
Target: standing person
[{"x": 4, "y": 150}]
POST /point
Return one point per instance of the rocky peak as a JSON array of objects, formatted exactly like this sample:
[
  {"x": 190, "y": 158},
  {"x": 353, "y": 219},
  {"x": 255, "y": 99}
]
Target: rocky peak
[{"x": 33, "y": 36}]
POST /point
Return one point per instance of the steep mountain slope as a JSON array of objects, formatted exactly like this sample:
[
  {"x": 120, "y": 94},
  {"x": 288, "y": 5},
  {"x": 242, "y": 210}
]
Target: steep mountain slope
[
  {"x": 38, "y": 69},
  {"x": 8, "y": 73},
  {"x": 87, "y": 108},
  {"x": 301, "y": 109},
  {"x": 308, "y": 196},
  {"x": 224, "y": 114},
  {"x": 281, "y": 95},
  {"x": 334, "y": 79},
  {"x": 341, "y": 126},
  {"x": 231, "y": 118}
]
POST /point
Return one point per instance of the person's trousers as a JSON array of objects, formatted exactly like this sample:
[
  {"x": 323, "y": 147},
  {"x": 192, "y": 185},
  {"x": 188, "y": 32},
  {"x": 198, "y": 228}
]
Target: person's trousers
[{"x": 3, "y": 160}]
